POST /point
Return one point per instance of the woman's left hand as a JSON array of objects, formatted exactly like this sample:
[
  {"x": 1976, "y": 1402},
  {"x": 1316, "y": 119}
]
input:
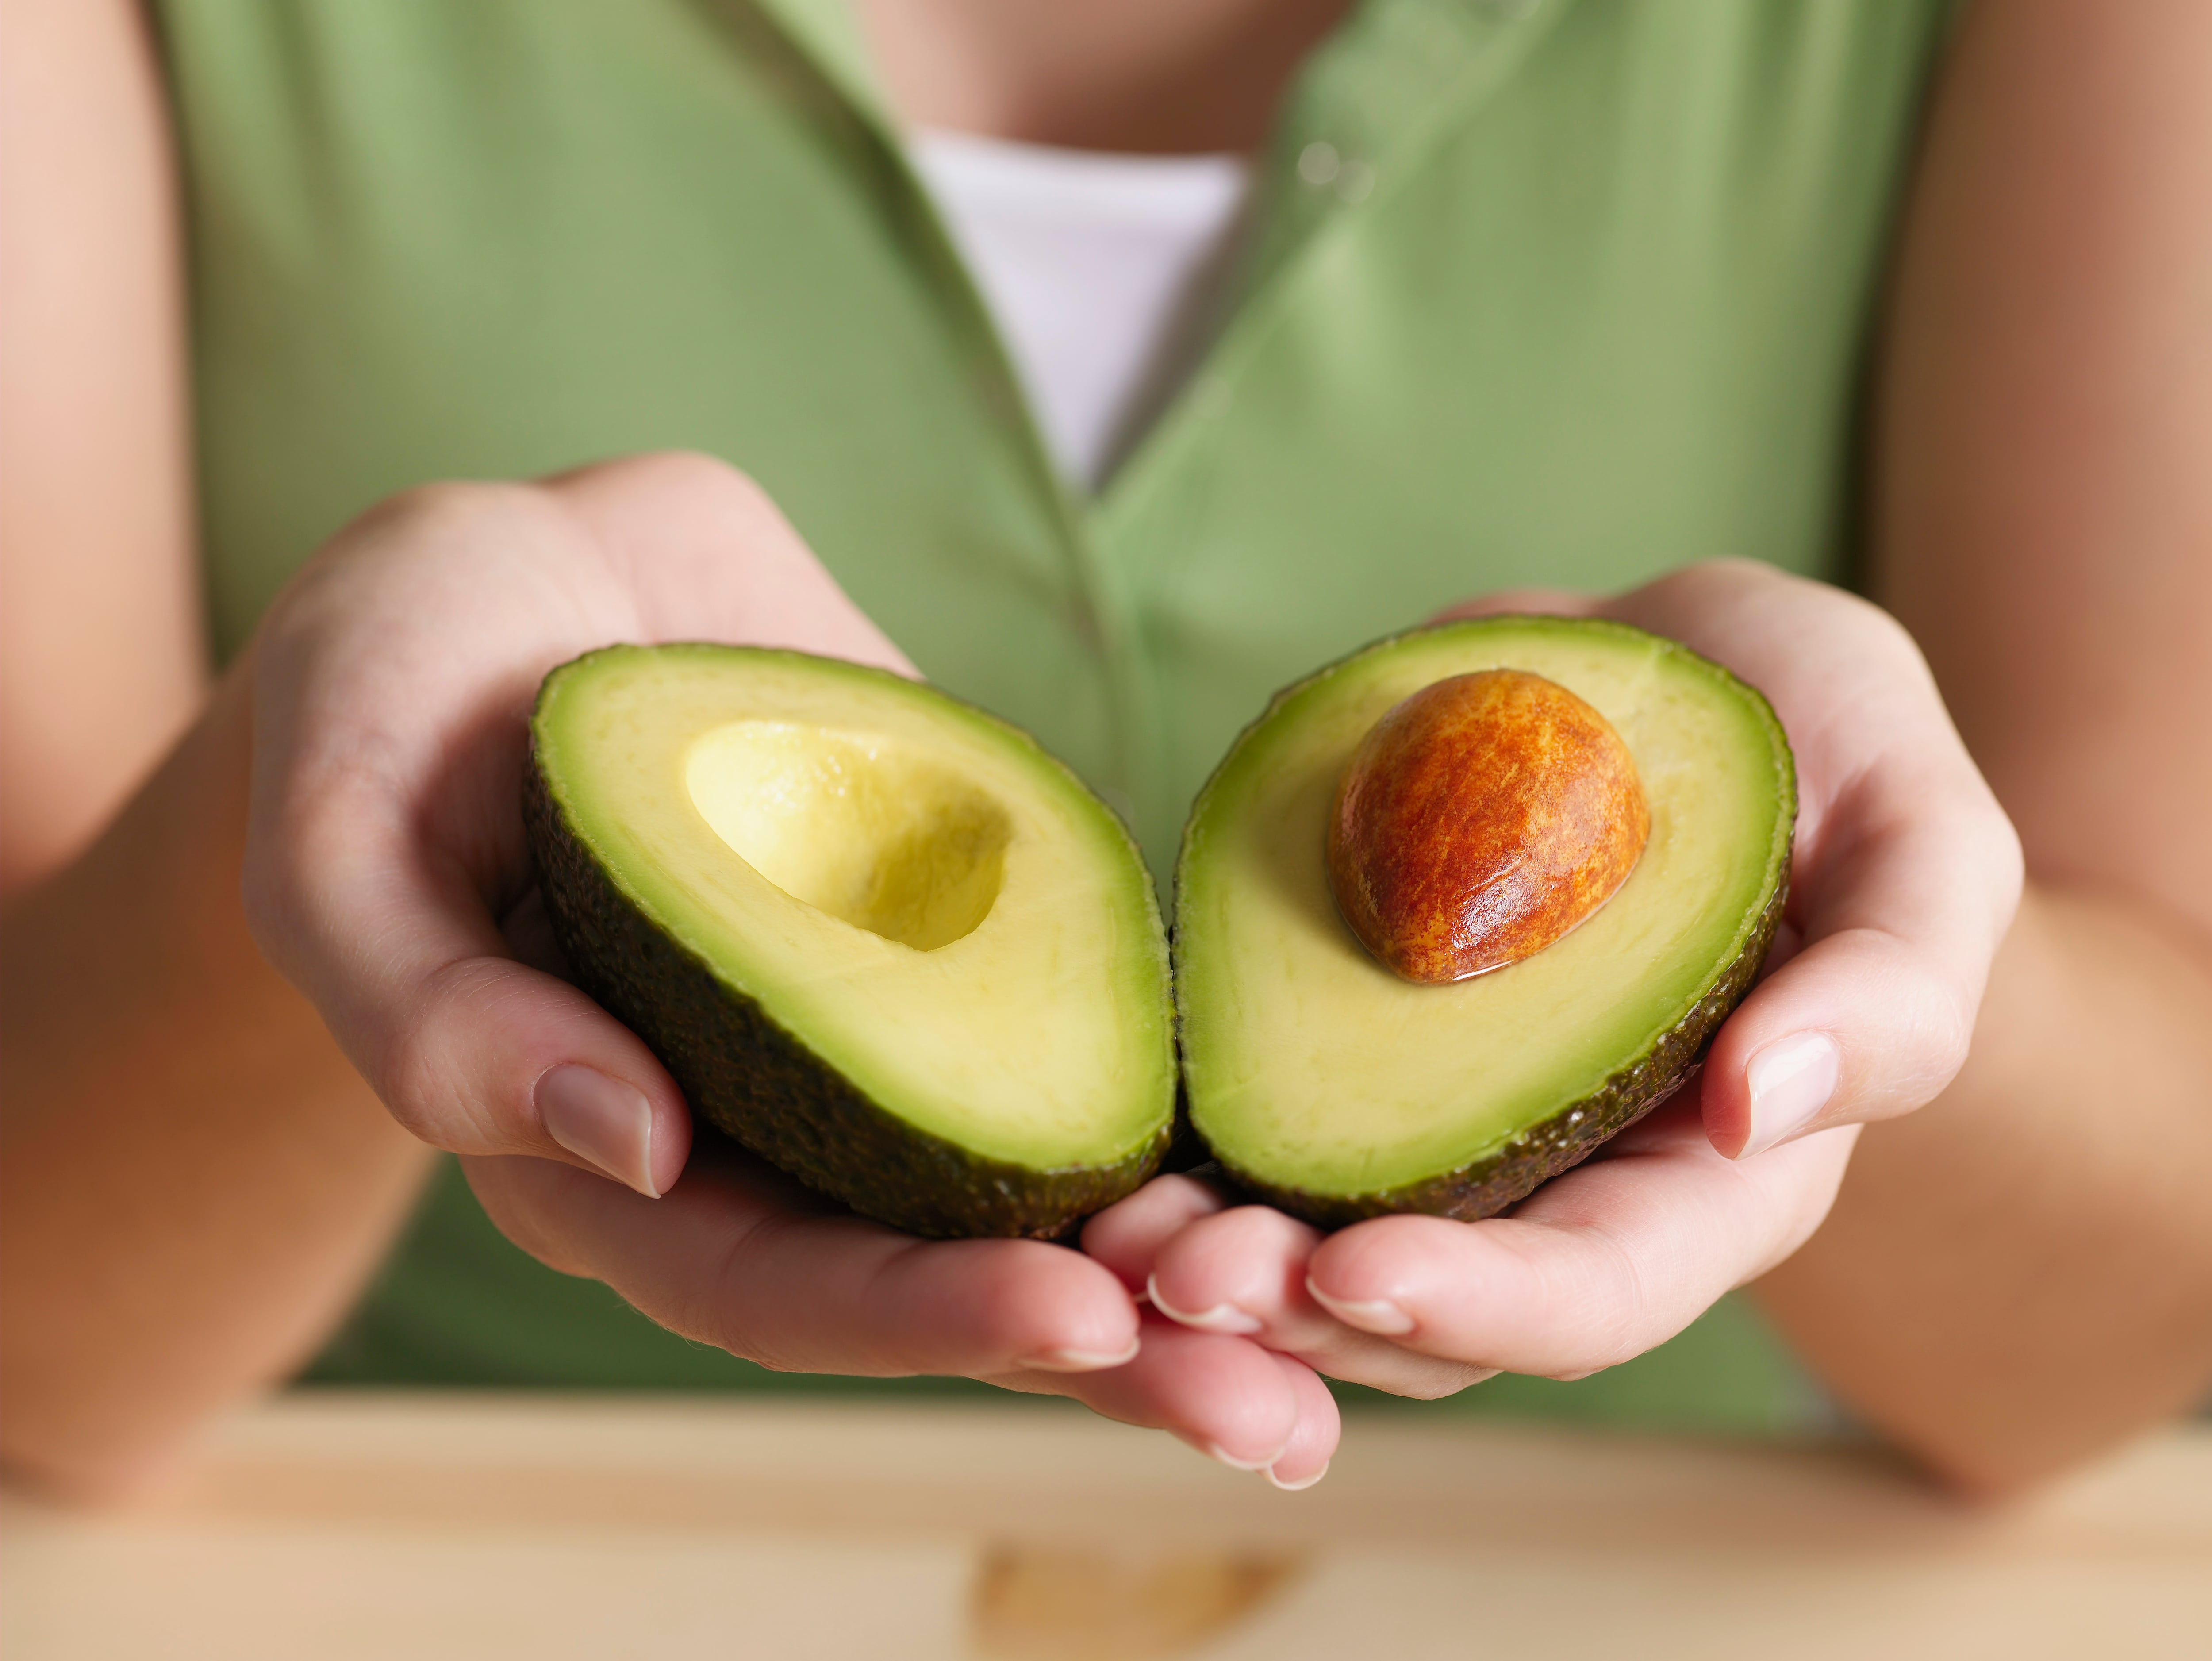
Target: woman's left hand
[{"x": 1904, "y": 879}]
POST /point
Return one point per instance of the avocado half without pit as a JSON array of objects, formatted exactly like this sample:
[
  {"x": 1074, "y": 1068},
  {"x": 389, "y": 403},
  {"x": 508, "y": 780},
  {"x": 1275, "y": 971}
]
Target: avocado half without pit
[
  {"x": 1458, "y": 908},
  {"x": 878, "y": 937}
]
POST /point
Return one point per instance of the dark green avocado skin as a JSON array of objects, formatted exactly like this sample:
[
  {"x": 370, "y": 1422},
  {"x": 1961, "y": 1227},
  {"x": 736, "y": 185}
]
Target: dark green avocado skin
[
  {"x": 751, "y": 1079},
  {"x": 1560, "y": 1142}
]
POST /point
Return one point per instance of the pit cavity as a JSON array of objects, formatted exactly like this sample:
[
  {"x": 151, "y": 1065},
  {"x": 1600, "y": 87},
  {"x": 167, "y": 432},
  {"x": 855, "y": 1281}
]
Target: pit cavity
[{"x": 876, "y": 833}]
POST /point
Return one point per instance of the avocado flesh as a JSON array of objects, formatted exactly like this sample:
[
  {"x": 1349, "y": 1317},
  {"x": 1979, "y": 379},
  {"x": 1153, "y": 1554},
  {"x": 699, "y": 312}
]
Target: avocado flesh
[
  {"x": 1338, "y": 1091},
  {"x": 876, "y": 935}
]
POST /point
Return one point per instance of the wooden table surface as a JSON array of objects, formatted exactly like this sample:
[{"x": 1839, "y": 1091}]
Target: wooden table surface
[{"x": 340, "y": 1525}]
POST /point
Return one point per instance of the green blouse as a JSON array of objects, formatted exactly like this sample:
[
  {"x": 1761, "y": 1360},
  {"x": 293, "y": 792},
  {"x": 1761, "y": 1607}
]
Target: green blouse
[{"x": 1563, "y": 292}]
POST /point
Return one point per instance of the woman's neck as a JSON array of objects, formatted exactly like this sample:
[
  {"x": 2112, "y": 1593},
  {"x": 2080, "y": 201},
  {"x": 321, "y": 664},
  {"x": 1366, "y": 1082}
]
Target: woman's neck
[{"x": 1141, "y": 76}]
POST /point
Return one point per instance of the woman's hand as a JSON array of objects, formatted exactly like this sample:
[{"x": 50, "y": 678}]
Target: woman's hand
[
  {"x": 387, "y": 875},
  {"x": 1903, "y": 882}
]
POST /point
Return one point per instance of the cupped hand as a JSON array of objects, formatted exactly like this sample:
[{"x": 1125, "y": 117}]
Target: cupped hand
[
  {"x": 387, "y": 876},
  {"x": 1905, "y": 878}
]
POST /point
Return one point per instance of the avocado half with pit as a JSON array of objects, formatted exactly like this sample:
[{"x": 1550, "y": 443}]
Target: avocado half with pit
[
  {"x": 1339, "y": 1089},
  {"x": 880, "y": 938}
]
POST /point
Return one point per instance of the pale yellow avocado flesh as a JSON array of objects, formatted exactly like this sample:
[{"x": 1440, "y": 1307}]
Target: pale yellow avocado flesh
[
  {"x": 927, "y": 902},
  {"x": 1312, "y": 1068}
]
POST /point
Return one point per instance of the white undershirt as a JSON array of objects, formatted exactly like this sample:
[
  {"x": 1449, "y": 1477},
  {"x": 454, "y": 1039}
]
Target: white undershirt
[{"x": 1099, "y": 270}]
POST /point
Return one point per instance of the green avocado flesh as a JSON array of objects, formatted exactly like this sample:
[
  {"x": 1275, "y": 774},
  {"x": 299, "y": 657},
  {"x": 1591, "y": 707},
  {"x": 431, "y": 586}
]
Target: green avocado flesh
[
  {"x": 876, "y": 935},
  {"x": 1338, "y": 1091}
]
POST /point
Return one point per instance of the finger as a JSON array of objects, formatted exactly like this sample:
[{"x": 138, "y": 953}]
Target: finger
[
  {"x": 674, "y": 525},
  {"x": 1127, "y": 1235},
  {"x": 1597, "y": 1267},
  {"x": 1304, "y": 1460},
  {"x": 1905, "y": 872},
  {"x": 472, "y": 1051},
  {"x": 1243, "y": 1271},
  {"x": 739, "y": 1257},
  {"x": 389, "y": 754},
  {"x": 1905, "y": 888},
  {"x": 1907, "y": 884},
  {"x": 1228, "y": 1398},
  {"x": 1860, "y": 1026}
]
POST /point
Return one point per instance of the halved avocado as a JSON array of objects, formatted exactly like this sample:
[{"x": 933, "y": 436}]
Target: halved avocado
[
  {"x": 1338, "y": 1091},
  {"x": 880, "y": 938}
]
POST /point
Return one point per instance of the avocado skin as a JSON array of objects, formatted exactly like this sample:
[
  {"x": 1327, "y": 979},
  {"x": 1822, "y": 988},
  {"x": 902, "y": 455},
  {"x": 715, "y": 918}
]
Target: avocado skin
[
  {"x": 1489, "y": 1185},
  {"x": 749, "y": 1078}
]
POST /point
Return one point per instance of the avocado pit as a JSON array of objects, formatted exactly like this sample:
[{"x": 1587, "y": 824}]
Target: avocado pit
[{"x": 1481, "y": 820}]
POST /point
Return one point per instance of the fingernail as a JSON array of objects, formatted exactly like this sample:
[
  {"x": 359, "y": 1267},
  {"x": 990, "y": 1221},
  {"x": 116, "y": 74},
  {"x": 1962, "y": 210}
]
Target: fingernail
[
  {"x": 1303, "y": 1482},
  {"x": 1214, "y": 1450},
  {"x": 1791, "y": 1080},
  {"x": 1222, "y": 1317},
  {"x": 602, "y": 1120},
  {"x": 1080, "y": 1360},
  {"x": 1376, "y": 1314}
]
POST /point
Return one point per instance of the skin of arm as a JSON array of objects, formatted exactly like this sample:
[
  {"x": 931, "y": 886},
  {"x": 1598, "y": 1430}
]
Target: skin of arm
[
  {"x": 91, "y": 333},
  {"x": 2021, "y": 1274},
  {"x": 193, "y": 1183}
]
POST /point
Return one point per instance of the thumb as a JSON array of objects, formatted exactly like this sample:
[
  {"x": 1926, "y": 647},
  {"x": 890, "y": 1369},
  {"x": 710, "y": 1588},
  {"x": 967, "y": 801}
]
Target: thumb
[
  {"x": 490, "y": 1057},
  {"x": 472, "y": 1051}
]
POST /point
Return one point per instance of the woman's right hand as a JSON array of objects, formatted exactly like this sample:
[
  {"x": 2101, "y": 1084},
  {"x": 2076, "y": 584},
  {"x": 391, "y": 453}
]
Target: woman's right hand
[{"x": 387, "y": 875}]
